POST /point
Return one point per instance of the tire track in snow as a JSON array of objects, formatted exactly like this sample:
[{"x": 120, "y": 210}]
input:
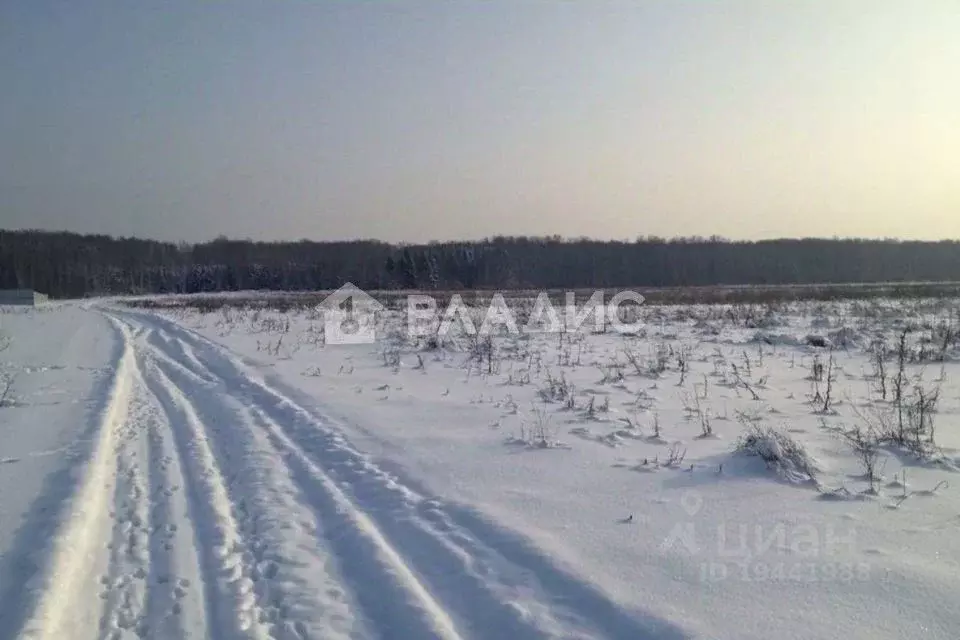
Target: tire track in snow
[
  {"x": 63, "y": 608},
  {"x": 161, "y": 343},
  {"x": 170, "y": 611},
  {"x": 151, "y": 559},
  {"x": 484, "y": 592},
  {"x": 174, "y": 471},
  {"x": 310, "y": 601},
  {"x": 229, "y": 600},
  {"x": 124, "y": 582},
  {"x": 175, "y": 563},
  {"x": 421, "y": 558},
  {"x": 111, "y": 571},
  {"x": 471, "y": 578}
]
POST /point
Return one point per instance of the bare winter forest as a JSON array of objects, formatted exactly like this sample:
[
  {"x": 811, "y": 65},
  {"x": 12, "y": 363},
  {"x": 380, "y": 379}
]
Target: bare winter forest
[{"x": 68, "y": 265}]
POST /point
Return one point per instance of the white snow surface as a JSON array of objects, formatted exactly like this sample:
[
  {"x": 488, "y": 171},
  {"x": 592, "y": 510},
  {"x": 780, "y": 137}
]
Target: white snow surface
[{"x": 226, "y": 475}]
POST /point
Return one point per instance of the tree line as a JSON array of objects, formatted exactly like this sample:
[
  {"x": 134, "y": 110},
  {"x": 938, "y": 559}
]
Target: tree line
[{"x": 70, "y": 265}]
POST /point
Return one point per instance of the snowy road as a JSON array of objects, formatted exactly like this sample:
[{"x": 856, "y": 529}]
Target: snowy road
[{"x": 215, "y": 506}]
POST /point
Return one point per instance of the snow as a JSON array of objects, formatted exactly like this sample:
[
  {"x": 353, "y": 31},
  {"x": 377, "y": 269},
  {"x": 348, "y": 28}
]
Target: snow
[
  {"x": 173, "y": 474},
  {"x": 60, "y": 361}
]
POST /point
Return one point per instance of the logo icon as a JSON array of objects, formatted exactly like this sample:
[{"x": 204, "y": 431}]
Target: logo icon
[{"x": 349, "y": 316}]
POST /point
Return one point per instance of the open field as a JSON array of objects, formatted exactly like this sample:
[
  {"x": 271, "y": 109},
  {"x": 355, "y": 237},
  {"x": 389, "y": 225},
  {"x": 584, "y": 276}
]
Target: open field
[
  {"x": 718, "y": 294},
  {"x": 178, "y": 469}
]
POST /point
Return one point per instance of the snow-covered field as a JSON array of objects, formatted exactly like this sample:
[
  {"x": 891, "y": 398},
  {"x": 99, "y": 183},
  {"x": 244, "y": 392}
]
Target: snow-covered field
[{"x": 727, "y": 472}]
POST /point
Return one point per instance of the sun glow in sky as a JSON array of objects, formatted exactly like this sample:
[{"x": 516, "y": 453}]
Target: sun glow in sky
[{"x": 433, "y": 120}]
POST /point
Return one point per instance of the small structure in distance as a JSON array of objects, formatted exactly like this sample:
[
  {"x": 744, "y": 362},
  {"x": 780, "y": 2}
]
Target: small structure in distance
[{"x": 22, "y": 297}]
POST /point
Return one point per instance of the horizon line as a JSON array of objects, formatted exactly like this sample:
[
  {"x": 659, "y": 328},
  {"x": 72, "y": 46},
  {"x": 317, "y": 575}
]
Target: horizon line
[{"x": 675, "y": 239}]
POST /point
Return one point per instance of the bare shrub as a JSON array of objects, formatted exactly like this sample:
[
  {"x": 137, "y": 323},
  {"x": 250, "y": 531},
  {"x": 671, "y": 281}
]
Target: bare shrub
[
  {"x": 391, "y": 356},
  {"x": 676, "y": 455},
  {"x": 652, "y": 368},
  {"x": 557, "y": 389},
  {"x": 879, "y": 350},
  {"x": 536, "y": 430},
  {"x": 900, "y": 385},
  {"x": 741, "y": 382},
  {"x": 910, "y": 423},
  {"x": 656, "y": 427},
  {"x": 6, "y": 389},
  {"x": 865, "y": 445},
  {"x": 483, "y": 353},
  {"x": 831, "y": 378},
  {"x": 695, "y": 410},
  {"x": 780, "y": 452}
]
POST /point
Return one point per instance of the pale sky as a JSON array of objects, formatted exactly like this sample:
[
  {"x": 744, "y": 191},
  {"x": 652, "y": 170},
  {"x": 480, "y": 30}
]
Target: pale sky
[{"x": 419, "y": 120}]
